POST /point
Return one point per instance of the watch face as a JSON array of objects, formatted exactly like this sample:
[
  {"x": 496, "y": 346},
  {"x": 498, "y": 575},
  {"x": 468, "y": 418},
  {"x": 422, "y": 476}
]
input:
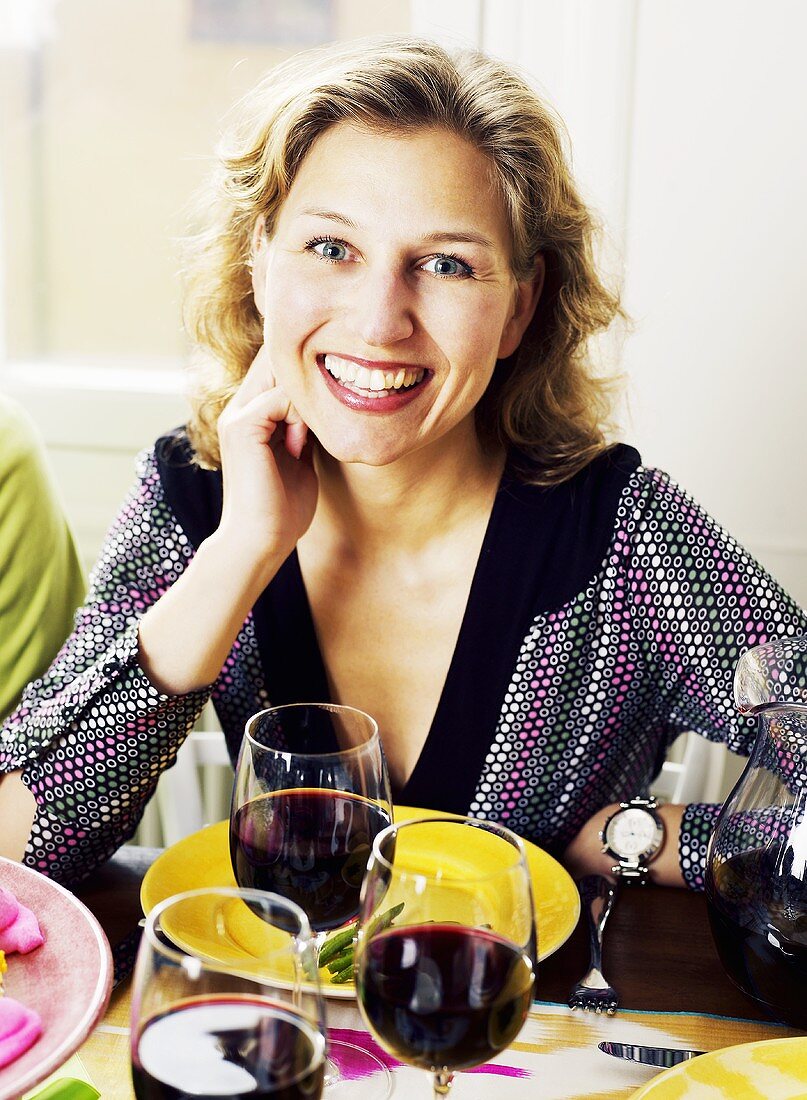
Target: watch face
[{"x": 632, "y": 832}]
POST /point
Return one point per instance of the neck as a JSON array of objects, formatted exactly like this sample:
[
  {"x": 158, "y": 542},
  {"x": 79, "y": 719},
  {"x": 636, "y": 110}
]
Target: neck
[{"x": 407, "y": 504}]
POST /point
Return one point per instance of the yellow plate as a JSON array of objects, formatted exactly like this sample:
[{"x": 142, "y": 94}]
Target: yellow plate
[
  {"x": 752, "y": 1071},
  {"x": 203, "y": 859}
]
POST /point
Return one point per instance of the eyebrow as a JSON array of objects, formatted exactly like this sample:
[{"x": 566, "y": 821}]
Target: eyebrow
[{"x": 461, "y": 236}]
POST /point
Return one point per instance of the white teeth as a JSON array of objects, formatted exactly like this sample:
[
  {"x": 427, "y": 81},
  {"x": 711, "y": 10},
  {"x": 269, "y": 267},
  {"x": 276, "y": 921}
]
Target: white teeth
[{"x": 375, "y": 382}]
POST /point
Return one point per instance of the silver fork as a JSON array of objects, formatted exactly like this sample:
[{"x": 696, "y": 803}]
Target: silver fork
[{"x": 592, "y": 992}]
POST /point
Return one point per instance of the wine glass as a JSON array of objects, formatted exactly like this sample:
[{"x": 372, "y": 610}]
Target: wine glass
[
  {"x": 311, "y": 793},
  {"x": 447, "y": 949},
  {"x": 226, "y": 1000}
]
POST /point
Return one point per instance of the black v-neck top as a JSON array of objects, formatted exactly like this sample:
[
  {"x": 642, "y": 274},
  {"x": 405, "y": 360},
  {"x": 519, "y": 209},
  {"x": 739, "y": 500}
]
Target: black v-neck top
[
  {"x": 541, "y": 545},
  {"x": 605, "y": 617}
]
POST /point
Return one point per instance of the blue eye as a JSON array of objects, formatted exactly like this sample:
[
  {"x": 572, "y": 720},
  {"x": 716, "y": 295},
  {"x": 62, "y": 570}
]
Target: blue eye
[
  {"x": 448, "y": 267},
  {"x": 328, "y": 248}
]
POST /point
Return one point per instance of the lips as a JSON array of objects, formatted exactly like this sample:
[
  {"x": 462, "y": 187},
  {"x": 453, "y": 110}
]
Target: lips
[
  {"x": 372, "y": 382},
  {"x": 372, "y": 386}
]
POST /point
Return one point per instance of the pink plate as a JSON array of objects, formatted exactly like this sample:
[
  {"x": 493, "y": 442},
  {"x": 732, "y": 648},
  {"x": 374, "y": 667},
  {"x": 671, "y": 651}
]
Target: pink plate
[{"x": 67, "y": 980}]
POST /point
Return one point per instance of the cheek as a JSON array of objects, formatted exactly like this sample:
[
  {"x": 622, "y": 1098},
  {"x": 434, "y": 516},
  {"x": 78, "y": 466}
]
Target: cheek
[
  {"x": 471, "y": 342},
  {"x": 293, "y": 304}
]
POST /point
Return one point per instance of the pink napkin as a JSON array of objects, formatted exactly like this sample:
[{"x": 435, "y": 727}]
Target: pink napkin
[
  {"x": 20, "y": 1027},
  {"x": 19, "y": 928}
]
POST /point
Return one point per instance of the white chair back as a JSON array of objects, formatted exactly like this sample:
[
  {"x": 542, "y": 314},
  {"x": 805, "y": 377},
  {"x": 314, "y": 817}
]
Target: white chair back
[{"x": 693, "y": 772}]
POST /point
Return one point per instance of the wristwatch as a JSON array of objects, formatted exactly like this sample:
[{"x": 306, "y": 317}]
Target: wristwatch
[{"x": 633, "y": 835}]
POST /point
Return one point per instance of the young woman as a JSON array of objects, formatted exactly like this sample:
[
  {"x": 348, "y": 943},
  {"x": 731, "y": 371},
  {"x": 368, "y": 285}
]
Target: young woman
[{"x": 395, "y": 491}]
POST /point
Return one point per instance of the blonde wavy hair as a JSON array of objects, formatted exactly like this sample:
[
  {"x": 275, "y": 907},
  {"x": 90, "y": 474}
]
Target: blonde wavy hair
[{"x": 545, "y": 400}]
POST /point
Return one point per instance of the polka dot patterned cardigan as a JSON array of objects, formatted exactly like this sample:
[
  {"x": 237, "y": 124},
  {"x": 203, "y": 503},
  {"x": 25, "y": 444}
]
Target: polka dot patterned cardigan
[{"x": 605, "y": 617}]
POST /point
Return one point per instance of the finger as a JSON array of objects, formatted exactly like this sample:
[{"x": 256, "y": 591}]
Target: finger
[
  {"x": 268, "y": 411},
  {"x": 296, "y": 432},
  {"x": 296, "y": 436},
  {"x": 262, "y": 414},
  {"x": 259, "y": 377}
]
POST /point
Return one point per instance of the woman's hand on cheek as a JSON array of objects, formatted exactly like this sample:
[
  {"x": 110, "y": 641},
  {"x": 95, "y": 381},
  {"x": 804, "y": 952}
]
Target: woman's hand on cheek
[{"x": 270, "y": 488}]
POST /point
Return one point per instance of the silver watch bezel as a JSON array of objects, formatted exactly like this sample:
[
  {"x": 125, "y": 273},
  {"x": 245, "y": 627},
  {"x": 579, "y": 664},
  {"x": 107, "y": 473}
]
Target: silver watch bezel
[{"x": 635, "y": 865}]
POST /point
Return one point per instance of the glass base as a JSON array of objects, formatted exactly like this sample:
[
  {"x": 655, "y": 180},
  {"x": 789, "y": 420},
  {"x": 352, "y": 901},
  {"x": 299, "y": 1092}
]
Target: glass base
[{"x": 352, "y": 1073}]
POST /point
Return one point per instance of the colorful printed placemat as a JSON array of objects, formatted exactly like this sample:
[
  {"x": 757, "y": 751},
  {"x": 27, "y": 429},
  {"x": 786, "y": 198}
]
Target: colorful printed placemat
[{"x": 554, "y": 1058}]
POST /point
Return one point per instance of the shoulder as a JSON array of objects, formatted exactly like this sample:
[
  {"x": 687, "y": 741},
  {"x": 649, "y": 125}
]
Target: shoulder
[
  {"x": 653, "y": 496},
  {"x": 563, "y": 530},
  {"x": 595, "y": 489},
  {"x": 26, "y": 483},
  {"x": 21, "y": 442}
]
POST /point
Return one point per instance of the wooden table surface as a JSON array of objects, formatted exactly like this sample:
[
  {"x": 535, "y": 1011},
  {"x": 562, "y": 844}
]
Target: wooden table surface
[{"x": 658, "y": 948}]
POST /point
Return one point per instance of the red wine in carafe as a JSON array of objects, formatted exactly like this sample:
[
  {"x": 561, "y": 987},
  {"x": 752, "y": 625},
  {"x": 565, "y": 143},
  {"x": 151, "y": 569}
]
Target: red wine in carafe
[{"x": 758, "y": 914}]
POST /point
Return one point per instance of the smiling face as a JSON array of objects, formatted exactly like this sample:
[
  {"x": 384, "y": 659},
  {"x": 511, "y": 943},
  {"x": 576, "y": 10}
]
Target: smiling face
[{"x": 387, "y": 290}]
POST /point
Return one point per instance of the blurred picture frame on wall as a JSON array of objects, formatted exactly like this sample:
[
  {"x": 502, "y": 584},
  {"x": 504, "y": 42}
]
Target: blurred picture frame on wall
[{"x": 297, "y": 23}]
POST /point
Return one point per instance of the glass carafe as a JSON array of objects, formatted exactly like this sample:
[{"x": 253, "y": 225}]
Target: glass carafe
[{"x": 756, "y": 879}]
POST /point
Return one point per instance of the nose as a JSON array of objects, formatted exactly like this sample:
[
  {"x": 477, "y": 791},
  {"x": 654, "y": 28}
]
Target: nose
[{"x": 383, "y": 309}]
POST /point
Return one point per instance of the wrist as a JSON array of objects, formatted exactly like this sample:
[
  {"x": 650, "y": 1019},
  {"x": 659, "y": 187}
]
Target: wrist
[
  {"x": 184, "y": 638},
  {"x": 249, "y": 565},
  {"x": 584, "y": 854}
]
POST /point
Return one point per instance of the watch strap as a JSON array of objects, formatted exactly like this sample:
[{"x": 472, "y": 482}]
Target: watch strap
[
  {"x": 648, "y": 803},
  {"x": 632, "y": 875}
]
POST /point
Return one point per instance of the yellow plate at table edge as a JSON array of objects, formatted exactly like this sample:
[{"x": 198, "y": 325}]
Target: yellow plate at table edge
[
  {"x": 723, "y": 1069},
  {"x": 557, "y": 902}
]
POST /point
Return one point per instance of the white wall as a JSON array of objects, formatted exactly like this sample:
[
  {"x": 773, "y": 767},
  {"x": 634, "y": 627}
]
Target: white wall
[{"x": 716, "y": 239}]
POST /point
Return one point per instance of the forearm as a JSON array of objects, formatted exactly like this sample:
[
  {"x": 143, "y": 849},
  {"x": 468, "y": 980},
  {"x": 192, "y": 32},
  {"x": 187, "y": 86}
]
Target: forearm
[
  {"x": 17, "y": 811},
  {"x": 186, "y": 636},
  {"x": 89, "y": 747},
  {"x": 83, "y": 767}
]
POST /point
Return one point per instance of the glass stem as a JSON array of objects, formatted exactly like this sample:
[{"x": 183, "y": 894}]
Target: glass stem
[{"x": 442, "y": 1082}]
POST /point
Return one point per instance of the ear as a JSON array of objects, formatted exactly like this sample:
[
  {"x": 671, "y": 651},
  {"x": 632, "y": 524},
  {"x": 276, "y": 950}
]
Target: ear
[
  {"x": 526, "y": 301},
  {"x": 257, "y": 263}
]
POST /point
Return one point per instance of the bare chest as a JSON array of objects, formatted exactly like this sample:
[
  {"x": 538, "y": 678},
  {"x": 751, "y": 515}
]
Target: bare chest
[{"x": 387, "y": 646}]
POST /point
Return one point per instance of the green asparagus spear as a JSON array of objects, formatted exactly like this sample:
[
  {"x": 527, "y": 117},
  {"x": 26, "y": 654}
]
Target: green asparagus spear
[
  {"x": 384, "y": 921},
  {"x": 338, "y": 948},
  {"x": 343, "y": 976},
  {"x": 336, "y": 943},
  {"x": 341, "y": 961}
]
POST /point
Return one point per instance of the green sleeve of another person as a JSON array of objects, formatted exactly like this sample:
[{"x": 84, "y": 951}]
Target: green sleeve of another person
[{"x": 41, "y": 580}]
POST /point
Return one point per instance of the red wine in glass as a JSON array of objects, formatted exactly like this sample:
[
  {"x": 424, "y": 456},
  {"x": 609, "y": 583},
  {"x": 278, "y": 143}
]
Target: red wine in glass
[
  {"x": 242, "y": 1048},
  {"x": 758, "y": 915},
  {"x": 444, "y": 995},
  {"x": 310, "y": 846}
]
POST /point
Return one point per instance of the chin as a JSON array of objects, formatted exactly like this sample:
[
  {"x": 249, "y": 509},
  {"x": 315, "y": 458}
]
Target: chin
[{"x": 361, "y": 450}]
